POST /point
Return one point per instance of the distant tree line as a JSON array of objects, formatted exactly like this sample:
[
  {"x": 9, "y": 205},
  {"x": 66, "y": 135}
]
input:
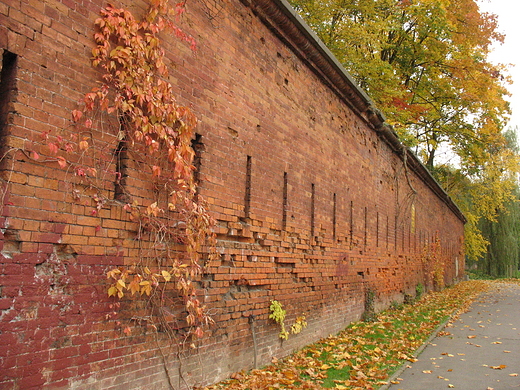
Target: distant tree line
[{"x": 425, "y": 64}]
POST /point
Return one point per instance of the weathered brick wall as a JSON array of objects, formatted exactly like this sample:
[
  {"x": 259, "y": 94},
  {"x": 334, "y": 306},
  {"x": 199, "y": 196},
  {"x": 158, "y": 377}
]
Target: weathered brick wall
[{"x": 314, "y": 206}]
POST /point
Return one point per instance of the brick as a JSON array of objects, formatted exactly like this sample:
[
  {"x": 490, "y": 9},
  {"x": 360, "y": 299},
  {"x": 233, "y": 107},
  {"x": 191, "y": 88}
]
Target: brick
[{"x": 55, "y": 256}]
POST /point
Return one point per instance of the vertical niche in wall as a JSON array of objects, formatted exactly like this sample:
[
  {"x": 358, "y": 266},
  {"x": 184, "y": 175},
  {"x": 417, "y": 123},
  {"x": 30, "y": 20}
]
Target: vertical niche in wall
[
  {"x": 365, "y": 233},
  {"x": 285, "y": 204},
  {"x": 351, "y": 223},
  {"x": 8, "y": 92},
  {"x": 313, "y": 210},
  {"x": 198, "y": 148},
  {"x": 377, "y": 229},
  {"x": 247, "y": 192},
  {"x": 387, "y": 232},
  {"x": 334, "y": 216}
]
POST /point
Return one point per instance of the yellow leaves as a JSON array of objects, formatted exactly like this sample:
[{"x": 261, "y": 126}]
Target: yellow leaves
[
  {"x": 466, "y": 107},
  {"x": 144, "y": 116},
  {"x": 361, "y": 356},
  {"x": 146, "y": 287},
  {"x": 134, "y": 282},
  {"x": 113, "y": 273},
  {"x": 166, "y": 275},
  {"x": 112, "y": 291},
  {"x": 500, "y": 367},
  {"x": 402, "y": 356},
  {"x": 278, "y": 315},
  {"x": 298, "y": 325}
]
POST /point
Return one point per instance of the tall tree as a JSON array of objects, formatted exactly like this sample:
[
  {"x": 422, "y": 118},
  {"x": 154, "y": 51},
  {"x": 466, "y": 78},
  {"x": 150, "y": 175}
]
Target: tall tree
[
  {"x": 484, "y": 189},
  {"x": 424, "y": 63},
  {"x": 502, "y": 257},
  {"x": 503, "y": 234}
]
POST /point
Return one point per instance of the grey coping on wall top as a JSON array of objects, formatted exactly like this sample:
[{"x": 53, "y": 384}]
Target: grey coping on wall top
[{"x": 285, "y": 22}]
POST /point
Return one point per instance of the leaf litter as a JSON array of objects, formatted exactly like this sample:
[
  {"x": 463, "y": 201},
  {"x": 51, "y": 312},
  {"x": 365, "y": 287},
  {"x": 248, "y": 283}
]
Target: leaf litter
[{"x": 365, "y": 354}]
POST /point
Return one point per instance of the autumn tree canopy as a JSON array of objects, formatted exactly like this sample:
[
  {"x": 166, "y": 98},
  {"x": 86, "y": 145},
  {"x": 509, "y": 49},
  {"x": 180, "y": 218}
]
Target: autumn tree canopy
[{"x": 424, "y": 63}]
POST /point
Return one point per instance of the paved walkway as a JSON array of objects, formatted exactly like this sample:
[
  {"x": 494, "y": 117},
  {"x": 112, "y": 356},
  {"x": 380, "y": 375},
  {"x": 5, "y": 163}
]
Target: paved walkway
[{"x": 479, "y": 351}]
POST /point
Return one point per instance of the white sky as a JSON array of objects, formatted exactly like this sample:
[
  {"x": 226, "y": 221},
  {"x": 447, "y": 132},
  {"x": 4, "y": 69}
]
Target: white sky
[{"x": 509, "y": 53}]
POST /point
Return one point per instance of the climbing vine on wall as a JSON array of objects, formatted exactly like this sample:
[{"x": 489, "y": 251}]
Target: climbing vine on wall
[{"x": 154, "y": 133}]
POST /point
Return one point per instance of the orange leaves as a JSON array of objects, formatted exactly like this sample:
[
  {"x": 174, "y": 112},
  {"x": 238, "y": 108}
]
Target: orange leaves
[
  {"x": 363, "y": 355},
  {"x": 83, "y": 145},
  {"x": 53, "y": 148},
  {"x": 154, "y": 210},
  {"x": 76, "y": 115},
  {"x": 130, "y": 53},
  {"x": 145, "y": 120},
  {"x": 143, "y": 283},
  {"x": 156, "y": 170},
  {"x": 134, "y": 286},
  {"x": 62, "y": 162}
]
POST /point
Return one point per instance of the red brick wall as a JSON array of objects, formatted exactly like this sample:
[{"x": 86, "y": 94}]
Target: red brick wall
[{"x": 347, "y": 194}]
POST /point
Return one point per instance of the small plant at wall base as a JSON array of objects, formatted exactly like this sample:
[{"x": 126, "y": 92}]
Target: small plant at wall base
[
  {"x": 278, "y": 315},
  {"x": 419, "y": 291},
  {"x": 299, "y": 324},
  {"x": 369, "y": 315},
  {"x": 149, "y": 129}
]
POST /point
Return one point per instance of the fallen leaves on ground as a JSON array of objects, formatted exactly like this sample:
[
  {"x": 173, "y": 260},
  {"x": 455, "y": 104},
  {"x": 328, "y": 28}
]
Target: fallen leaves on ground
[{"x": 365, "y": 354}]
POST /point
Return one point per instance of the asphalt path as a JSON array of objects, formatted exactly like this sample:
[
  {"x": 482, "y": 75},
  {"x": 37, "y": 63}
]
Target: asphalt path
[{"x": 480, "y": 350}]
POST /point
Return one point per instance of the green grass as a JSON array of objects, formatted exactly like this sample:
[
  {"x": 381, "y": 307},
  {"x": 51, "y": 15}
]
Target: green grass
[{"x": 365, "y": 354}]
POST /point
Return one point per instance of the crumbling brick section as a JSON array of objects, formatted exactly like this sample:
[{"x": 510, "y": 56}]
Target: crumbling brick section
[{"x": 314, "y": 200}]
